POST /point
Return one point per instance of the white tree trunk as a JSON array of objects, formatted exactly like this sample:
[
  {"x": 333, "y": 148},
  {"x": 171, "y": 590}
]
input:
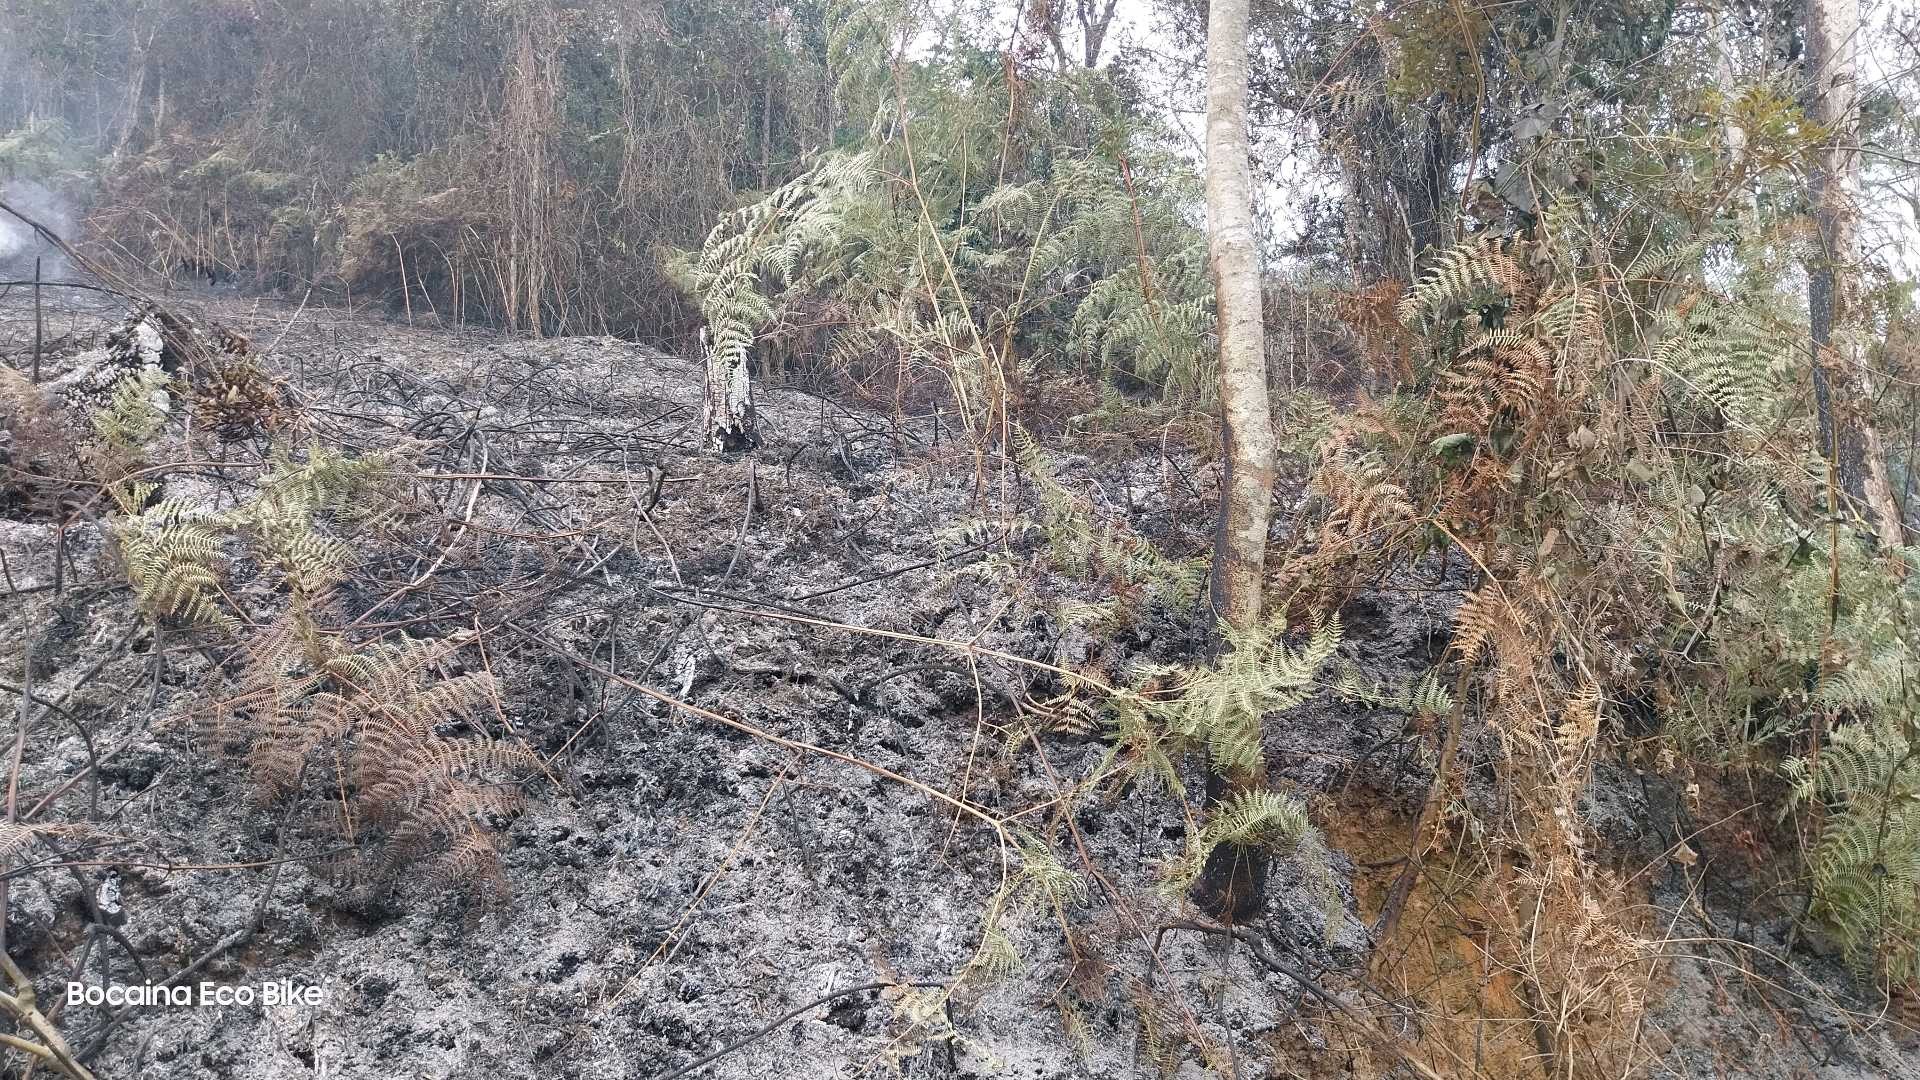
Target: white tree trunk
[
  {"x": 1247, "y": 438},
  {"x": 1232, "y": 886},
  {"x": 1729, "y": 87},
  {"x": 1833, "y": 290}
]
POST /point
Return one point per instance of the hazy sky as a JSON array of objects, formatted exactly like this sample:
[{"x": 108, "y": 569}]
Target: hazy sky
[{"x": 1891, "y": 189}]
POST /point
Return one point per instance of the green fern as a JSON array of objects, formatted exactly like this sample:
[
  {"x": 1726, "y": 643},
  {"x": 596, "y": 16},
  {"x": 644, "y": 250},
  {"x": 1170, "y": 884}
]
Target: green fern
[
  {"x": 1264, "y": 819},
  {"x": 956, "y": 260},
  {"x": 172, "y": 557},
  {"x": 1425, "y": 697},
  {"x": 1221, "y": 708},
  {"x": 1080, "y": 545},
  {"x": 1274, "y": 822},
  {"x": 135, "y": 411},
  {"x": 1218, "y": 709},
  {"x": 1467, "y": 275},
  {"x": 359, "y": 491},
  {"x": 1866, "y": 868}
]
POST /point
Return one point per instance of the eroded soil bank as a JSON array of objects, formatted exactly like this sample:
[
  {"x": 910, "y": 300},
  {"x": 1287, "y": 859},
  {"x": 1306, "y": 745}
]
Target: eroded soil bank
[{"x": 675, "y": 882}]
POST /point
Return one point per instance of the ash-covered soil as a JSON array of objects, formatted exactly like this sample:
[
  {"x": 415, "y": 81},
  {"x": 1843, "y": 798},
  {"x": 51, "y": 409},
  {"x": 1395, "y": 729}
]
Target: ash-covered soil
[{"x": 676, "y": 884}]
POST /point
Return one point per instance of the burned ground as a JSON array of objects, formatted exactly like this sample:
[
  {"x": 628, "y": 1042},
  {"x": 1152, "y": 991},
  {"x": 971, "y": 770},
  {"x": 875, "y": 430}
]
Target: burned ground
[{"x": 844, "y": 597}]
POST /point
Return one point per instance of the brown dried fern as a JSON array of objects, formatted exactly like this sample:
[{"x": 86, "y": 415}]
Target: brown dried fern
[{"x": 371, "y": 723}]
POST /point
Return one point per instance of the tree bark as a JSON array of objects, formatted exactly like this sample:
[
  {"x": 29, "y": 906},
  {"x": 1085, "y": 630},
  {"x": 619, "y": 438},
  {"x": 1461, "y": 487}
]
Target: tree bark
[
  {"x": 1232, "y": 886},
  {"x": 1842, "y": 393}
]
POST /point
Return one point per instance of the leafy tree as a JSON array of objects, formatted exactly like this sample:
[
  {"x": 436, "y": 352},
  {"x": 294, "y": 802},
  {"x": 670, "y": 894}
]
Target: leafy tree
[{"x": 990, "y": 226}]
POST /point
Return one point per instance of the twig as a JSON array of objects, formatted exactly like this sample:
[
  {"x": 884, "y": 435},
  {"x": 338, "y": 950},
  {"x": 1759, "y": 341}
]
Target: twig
[
  {"x": 979, "y": 813},
  {"x": 224, "y": 945},
  {"x": 65, "y": 285},
  {"x": 692, "y": 1067},
  {"x": 897, "y": 571},
  {"x": 296, "y": 317},
  {"x": 458, "y": 529},
  {"x": 746, "y": 519},
  {"x": 24, "y": 717},
  {"x": 86, "y": 737},
  {"x": 674, "y": 935},
  {"x": 864, "y": 695},
  {"x": 1280, "y": 966},
  {"x": 1402, "y": 889},
  {"x": 769, "y": 610},
  {"x": 78, "y": 259}
]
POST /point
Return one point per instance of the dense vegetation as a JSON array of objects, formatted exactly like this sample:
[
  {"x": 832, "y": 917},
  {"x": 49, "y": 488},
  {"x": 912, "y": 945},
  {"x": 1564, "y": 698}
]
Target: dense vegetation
[
  {"x": 1606, "y": 303},
  {"x": 521, "y": 164}
]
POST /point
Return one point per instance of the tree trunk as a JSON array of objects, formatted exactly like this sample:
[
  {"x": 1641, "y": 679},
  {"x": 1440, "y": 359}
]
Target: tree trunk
[
  {"x": 1232, "y": 886},
  {"x": 528, "y": 119},
  {"x": 1842, "y": 393},
  {"x": 136, "y": 93},
  {"x": 1725, "y": 82},
  {"x": 729, "y": 398},
  {"x": 1095, "y": 17}
]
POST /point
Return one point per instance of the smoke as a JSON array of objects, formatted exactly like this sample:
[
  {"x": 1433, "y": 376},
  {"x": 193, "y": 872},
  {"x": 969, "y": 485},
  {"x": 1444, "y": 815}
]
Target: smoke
[{"x": 20, "y": 245}]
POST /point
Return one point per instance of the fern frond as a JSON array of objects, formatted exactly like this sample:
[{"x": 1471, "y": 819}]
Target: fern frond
[
  {"x": 172, "y": 558},
  {"x": 1461, "y": 275}
]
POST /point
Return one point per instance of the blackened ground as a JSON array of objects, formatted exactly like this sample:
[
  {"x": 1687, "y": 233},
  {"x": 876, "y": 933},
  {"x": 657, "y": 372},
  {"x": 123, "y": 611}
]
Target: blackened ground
[{"x": 684, "y": 883}]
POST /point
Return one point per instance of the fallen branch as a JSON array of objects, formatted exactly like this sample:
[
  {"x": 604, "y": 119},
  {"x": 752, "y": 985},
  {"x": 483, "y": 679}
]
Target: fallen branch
[
  {"x": 23, "y": 1006},
  {"x": 64, "y": 285}
]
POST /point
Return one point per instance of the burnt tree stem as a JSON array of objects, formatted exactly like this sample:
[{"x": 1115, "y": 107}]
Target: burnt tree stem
[{"x": 38, "y": 323}]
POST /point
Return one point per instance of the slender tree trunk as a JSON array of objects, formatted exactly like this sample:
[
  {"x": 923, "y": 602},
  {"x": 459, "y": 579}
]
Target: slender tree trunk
[
  {"x": 528, "y": 119},
  {"x": 1232, "y": 886},
  {"x": 1096, "y": 16},
  {"x": 136, "y": 94},
  {"x": 766, "y": 128},
  {"x": 38, "y": 324},
  {"x": 1843, "y": 395},
  {"x": 1725, "y": 82}
]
